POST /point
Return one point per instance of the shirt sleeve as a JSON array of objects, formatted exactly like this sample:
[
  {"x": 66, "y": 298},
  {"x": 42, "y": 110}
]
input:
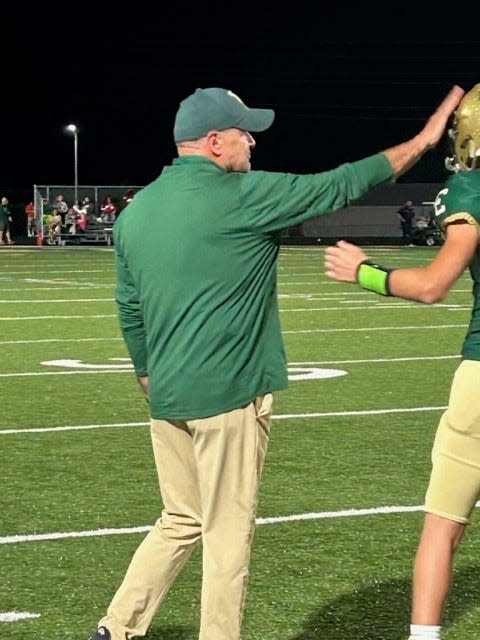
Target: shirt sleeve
[
  {"x": 279, "y": 200},
  {"x": 130, "y": 316}
]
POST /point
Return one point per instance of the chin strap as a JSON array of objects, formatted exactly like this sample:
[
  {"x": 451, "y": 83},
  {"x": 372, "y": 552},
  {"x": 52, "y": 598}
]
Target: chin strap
[{"x": 451, "y": 164}]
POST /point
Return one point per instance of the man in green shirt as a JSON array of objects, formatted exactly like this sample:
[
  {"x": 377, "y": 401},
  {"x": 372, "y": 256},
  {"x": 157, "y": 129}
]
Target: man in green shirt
[
  {"x": 454, "y": 486},
  {"x": 196, "y": 253}
]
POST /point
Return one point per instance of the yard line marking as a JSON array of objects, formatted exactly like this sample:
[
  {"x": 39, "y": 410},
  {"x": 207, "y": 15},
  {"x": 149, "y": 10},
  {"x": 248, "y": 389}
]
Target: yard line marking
[
  {"x": 42, "y": 340},
  {"x": 316, "y": 515},
  {"x": 367, "y": 412},
  {"x": 284, "y": 416},
  {"x": 68, "y": 286},
  {"x": 10, "y": 273},
  {"x": 359, "y": 361},
  {"x": 75, "y": 427},
  {"x": 128, "y": 369},
  {"x": 76, "y": 372},
  {"x": 343, "y": 513},
  {"x": 57, "y": 301},
  {"x": 438, "y": 326},
  {"x": 360, "y": 329},
  {"x": 374, "y": 307},
  {"x": 13, "y": 616},
  {"x": 381, "y": 305},
  {"x": 82, "y": 317}
]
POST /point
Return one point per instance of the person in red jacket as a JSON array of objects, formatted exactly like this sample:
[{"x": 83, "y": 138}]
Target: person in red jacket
[
  {"x": 30, "y": 213},
  {"x": 108, "y": 210}
]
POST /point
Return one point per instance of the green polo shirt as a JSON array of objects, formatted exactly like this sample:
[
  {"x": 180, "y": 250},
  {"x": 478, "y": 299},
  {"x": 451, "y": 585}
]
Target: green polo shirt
[{"x": 196, "y": 253}]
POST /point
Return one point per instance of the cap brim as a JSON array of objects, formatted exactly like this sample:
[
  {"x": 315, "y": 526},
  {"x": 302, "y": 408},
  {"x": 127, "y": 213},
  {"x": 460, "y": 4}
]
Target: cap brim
[{"x": 256, "y": 120}]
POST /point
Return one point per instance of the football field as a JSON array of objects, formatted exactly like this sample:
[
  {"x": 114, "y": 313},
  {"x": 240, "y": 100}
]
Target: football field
[{"x": 346, "y": 470}]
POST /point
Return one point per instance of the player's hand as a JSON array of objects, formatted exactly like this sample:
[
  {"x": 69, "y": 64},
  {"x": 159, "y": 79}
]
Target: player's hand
[
  {"x": 433, "y": 130},
  {"x": 342, "y": 261}
]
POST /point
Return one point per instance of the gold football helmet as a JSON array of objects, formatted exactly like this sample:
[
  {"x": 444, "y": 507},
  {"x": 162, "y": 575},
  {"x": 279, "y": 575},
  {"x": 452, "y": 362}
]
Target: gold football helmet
[{"x": 465, "y": 134}]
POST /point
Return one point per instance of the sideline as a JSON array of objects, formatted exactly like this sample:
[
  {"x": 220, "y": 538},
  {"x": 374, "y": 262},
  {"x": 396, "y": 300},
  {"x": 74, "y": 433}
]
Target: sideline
[
  {"x": 284, "y": 416},
  {"x": 259, "y": 521}
]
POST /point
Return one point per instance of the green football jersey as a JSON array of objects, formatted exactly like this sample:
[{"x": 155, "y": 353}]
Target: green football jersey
[{"x": 460, "y": 200}]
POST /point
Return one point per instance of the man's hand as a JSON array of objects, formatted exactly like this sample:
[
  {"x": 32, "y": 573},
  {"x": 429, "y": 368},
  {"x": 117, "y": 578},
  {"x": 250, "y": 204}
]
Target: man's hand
[
  {"x": 437, "y": 122},
  {"x": 342, "y": 261},
  {"x": 403, "y": 156}
]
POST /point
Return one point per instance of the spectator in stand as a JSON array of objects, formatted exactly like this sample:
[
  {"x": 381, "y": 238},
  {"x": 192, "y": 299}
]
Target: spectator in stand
[
  {"x": 90, "y": 210},
  {"x": 127, "y": 198},
  {"x": 60, "y": 205},
  {"x": 71, "y": 221},
  {"x": 54, "y": 226},
  {"x": 81, "y": 220},
  {"x": 108, "y": 210},
  {"x": 5, "y": 220},
  {"x": 30, "y": 213}
]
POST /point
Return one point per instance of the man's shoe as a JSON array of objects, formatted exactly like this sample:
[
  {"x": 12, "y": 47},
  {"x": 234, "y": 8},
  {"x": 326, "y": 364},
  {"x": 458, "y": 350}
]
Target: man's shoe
[{"x": 102, "y": 633}]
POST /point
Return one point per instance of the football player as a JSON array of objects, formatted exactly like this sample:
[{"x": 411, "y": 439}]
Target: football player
[{"x": 454, "y": 485}]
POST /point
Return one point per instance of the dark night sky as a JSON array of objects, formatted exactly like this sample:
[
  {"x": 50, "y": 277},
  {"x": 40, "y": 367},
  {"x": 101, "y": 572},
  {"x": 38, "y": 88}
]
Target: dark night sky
[{"x": 343, "y": 86}]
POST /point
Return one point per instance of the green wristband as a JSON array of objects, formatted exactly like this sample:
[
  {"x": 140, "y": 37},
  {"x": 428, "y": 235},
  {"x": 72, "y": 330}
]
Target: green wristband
[{"x": 374, "y": 277}]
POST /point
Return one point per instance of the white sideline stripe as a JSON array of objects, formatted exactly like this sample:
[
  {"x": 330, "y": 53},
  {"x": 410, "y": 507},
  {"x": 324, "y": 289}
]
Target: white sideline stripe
[
  {"x": 13, "y": 616},
  {"x": 320, "y": 515},
  {"x": 284, "y": 416},
  {"x": 105, "y": 315}
]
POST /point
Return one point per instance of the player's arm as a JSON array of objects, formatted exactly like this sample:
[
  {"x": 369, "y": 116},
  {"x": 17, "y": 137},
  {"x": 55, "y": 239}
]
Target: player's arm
[
  {"x": 403, "y": 156},
  {"x": 428, "y": 284}
]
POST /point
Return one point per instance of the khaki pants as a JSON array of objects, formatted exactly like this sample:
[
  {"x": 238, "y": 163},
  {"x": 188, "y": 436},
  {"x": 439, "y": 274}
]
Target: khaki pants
[{"x": 209, "y": 473}]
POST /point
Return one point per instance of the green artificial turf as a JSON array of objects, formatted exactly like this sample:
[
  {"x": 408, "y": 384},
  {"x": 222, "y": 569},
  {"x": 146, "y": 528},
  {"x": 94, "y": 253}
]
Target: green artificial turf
[{"x": 346, "y": 470}]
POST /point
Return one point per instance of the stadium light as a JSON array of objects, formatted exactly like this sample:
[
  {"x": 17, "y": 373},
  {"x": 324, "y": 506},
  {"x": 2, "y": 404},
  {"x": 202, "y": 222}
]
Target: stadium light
[{"x": 73, "y": 129}]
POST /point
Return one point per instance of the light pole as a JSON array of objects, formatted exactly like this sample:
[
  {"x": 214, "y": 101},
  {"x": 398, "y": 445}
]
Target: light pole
[{"x": 73, "y": 129}]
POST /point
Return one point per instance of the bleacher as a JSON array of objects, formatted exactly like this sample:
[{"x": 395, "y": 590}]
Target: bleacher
[{"x": 94, "y": 234}]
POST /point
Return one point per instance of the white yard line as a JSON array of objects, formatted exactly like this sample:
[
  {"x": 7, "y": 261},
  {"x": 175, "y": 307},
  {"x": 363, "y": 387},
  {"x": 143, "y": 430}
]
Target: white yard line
[
  {"x": 284, "y": 416},
  {"x": 320, "y": 515},
  {"x": 13, "y": 539},
  {"x": 14, "y": 616}
]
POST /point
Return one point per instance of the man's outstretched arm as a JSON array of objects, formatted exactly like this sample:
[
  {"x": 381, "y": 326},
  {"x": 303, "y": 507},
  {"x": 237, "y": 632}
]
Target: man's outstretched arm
[{"x": 403, "y": 156}]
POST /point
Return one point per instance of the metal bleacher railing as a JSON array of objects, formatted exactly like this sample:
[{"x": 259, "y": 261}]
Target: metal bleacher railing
[{"x": 44, "y": 196}]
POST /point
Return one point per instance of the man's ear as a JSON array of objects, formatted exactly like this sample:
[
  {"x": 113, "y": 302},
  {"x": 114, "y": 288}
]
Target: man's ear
[{"x": 215, "y": 142}]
